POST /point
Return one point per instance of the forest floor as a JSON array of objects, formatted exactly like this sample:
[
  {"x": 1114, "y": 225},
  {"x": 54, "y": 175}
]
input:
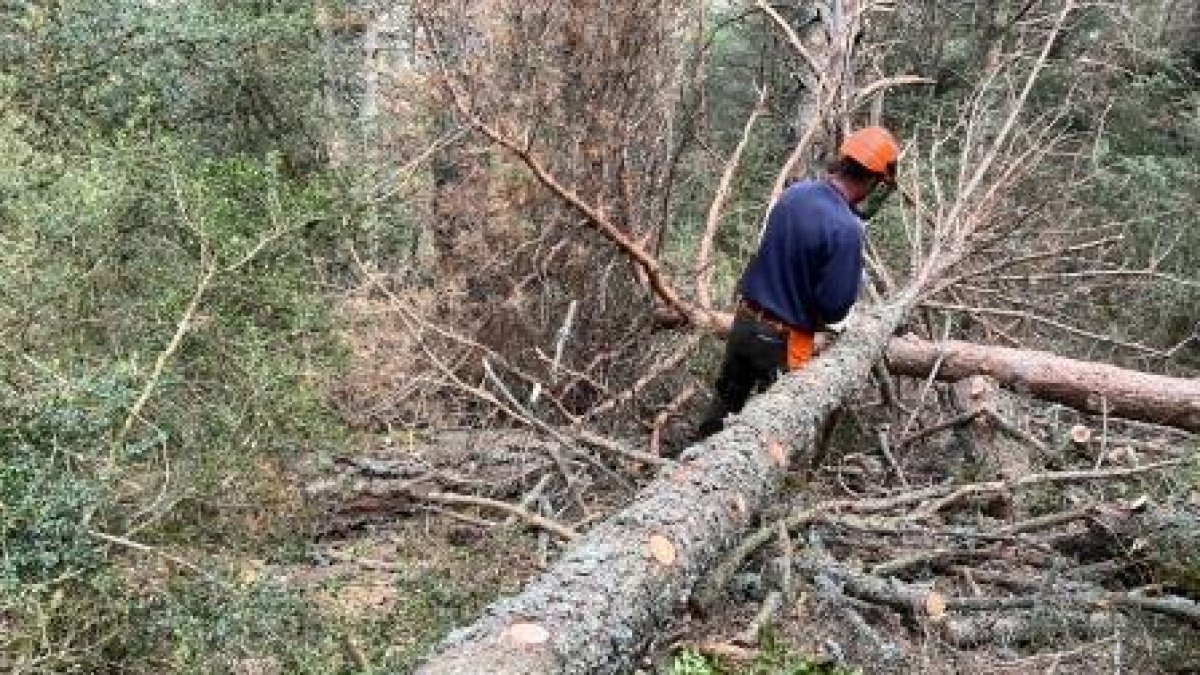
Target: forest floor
[
  {"x": 421, "y": 575},
  {"x": 412, "y": 569}
]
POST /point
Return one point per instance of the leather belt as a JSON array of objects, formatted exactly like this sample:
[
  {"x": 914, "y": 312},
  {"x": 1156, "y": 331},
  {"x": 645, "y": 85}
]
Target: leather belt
[{"x": 761, "y": 315}]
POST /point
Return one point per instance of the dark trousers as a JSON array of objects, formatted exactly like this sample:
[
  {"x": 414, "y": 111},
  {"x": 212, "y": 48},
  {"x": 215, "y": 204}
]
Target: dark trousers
[{"x": 755, "y": 355}]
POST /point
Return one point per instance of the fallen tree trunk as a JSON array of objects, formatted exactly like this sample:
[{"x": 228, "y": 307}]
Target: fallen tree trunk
[
  {"x": 596, "y": 608},
  {"x": 1088, "y": 386}
]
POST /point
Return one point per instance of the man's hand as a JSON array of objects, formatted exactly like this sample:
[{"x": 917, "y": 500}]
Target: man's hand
[{"x": 822, "y": 341}]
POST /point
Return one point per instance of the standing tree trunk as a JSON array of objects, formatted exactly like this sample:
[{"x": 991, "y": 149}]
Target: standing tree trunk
[{"x": 1001, "y": 455}]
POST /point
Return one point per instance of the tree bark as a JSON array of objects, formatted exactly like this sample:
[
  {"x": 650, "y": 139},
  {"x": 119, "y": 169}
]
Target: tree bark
[
  {"x": 1001, "y": 455},
  {"x": 595, "y": 610},
  {"x": 1088, "y": 386}
]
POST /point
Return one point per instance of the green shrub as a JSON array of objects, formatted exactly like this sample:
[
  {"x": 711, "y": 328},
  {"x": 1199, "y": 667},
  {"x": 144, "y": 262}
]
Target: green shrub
[{"x": 105, "y": 244}]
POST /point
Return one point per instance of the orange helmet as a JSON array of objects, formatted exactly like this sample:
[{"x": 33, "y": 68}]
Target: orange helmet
[{"x": 873, "y": 147}]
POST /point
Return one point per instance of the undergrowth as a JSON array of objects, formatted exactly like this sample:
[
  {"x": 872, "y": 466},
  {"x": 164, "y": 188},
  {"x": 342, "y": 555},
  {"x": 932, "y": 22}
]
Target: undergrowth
[{"x": 773, "y": 658}]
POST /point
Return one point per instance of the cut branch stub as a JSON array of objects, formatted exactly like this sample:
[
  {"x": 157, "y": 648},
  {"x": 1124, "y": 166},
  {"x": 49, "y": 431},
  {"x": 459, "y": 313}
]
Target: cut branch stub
[
  {"x": 935, "y": 606},
  {"x": 979, "y": 387},
  {"x": 777, "y": 453},
  {"x": 683, "y": 472},
  {"x": 528, "y": 634},
  {"x": 1080, "y": 435},
  {"x": 663, "y": 550}
]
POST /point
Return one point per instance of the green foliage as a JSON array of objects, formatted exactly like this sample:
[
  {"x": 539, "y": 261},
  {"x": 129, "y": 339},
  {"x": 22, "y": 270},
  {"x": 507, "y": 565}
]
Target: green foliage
[
  {"x": 237, "y": 76},
  {"x": 691, "y": 662},
  {"x": 1146, "y": 180},
  {"x": 206, "y": 628},
  {"x": 774, "y": 658},
  {"x": 43, "y": 536},
  {"x": 161, "y": 208},
  {"x": 105, "y": 256}
]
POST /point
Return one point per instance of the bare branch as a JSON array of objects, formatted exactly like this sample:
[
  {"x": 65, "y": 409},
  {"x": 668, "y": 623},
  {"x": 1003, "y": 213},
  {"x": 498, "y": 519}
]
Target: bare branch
[
  {"x": 511, "y": 509},
  {"x": 806, "y": 56},
  {"x": 863, "y": 95},
  {"x": 703, "y": 269},
  {"x": 1030, "y": 316}
]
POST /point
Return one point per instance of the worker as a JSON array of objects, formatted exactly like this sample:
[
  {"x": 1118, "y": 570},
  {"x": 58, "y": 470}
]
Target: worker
[{"x": 807, "y": 272}]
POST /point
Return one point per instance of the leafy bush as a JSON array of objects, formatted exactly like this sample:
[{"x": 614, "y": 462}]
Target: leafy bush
[{"x": 166, "y": 341}]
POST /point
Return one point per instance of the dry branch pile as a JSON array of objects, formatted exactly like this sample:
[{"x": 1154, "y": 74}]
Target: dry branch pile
[
  {"x": 895, "y": 556},
  {"x": 955, "y": 575}
]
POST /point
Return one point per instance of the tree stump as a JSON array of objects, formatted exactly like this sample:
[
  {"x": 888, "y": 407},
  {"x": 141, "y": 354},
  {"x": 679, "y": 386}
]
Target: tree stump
[{"x": 1001, "y": 455}]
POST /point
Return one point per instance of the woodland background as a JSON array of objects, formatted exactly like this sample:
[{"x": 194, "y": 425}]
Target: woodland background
[{"x": 258, "y": 255}]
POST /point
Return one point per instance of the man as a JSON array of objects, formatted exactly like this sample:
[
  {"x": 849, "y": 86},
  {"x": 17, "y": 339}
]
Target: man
[{"x": 806, "y": 274}]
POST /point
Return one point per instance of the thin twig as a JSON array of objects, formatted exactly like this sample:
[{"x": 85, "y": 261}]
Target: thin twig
[
  {"x": 776, "y": 598},
  {"x": 1013, "y": 430},
  {"x": 1021, "y": 482},
  {"x": 703, "y": 267},
  {"x": 1004, "y": 263},
  {"x": 956, "y": 421},
  {"x": 884, "y": 448},
  {"x": 647, "y": 264},
  {"x": 664, "y": 416},
  {"x": 1048, "y": 521},
  {"x": 618, "y": 448},
  {"x": 164, "y": 357},
  {"x": 806, "y": 56},
  {"x": 663, "y": 366},
  {"x": 145, "y": 548},
  {"x": 927, "y": 387},
  {"x": 864, "y": 94},
  {"x": 922, "y": 559},
  {"x": 1030, "y": 316},
  {"x": 512, "y": 509},
  {"x": 533, "y": 420}
]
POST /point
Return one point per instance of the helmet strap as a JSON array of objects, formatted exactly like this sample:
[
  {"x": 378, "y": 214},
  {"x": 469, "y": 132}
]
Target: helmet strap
[{"x": 875, "y": 199}]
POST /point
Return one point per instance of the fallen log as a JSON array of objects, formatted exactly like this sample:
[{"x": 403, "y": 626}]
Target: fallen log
[
  {"x": 1088, "y": 386},
  {"x": 1024, "y": 626},
  {"x": 917, "y": 599},
  {"x": 596, "y": 608}
]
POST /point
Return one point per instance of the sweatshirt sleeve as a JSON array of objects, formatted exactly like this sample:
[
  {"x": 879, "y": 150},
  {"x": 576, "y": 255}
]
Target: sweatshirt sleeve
[{"x": 839, "y": 281}]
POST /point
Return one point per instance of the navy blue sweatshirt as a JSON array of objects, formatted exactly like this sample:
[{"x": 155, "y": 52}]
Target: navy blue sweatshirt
[{"x": 809, "y": 264}]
